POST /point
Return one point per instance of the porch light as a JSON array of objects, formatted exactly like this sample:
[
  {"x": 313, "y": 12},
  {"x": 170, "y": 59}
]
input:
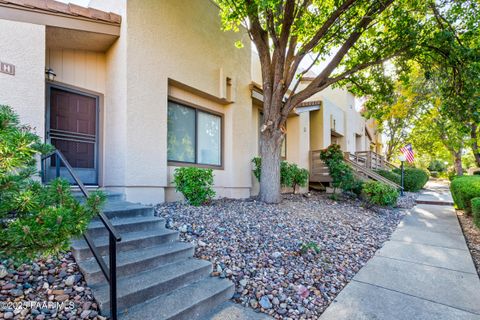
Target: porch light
[{"x": 50, "y": 74}]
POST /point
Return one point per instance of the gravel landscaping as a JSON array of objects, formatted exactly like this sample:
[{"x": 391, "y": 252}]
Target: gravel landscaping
[
  {"x": 52, "y": 288},
  {"x": 259, "y": 247},
  {"x": 472, "y": 235}
]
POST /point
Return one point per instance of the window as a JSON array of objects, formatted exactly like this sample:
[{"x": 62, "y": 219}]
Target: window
[{"x": 194, "y": 136}]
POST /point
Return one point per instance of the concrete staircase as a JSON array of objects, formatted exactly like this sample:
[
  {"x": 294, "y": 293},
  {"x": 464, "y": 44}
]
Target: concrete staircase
[{"x": 157, "y": 276}]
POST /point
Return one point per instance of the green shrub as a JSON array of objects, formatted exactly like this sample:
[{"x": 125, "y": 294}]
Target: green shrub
[
  {"x": 286, "y": 174},
  {"x": 437, "y": 165},
  {"x": 476, "y": 211},
  {"x": 340, "y": 172},
  {"x": 310, "y": 246},
  {"x": 196, "y": 184},
  {"x": 257, "y": 171},
  {"x": 356, "y": 186},
  {"x": 299, "y": 176},
  {"x": 34, "y": 219},
  {"x": 290, "y": 174},
  {"x": 390, "y": 175},
  {"x": 451, "y": 174},
  {"x": 380, "y": 194},
  {"x": 414, "y": 179},
  {"x": 464, "y": 189}
]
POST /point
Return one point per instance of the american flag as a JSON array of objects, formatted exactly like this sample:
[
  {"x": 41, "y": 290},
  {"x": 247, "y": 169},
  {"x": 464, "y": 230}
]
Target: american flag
[{"x": 408, "y": 153}]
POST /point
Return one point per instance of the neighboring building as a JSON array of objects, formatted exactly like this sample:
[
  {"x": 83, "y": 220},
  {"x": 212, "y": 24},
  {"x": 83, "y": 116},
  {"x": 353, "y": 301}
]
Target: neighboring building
[{"x": 150, "y": 87}]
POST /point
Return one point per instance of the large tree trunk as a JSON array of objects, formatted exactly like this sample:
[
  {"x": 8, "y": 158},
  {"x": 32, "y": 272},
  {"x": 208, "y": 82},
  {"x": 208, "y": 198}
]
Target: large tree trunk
[
  {"x": 458, "y": 162},
  {"x": 475, "y": 148},
  {"x": 270, "y": 147}
]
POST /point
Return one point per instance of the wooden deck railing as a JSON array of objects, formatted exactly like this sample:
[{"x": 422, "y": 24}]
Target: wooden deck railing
[
  {"x": 364, "y": 173},
  {"x": 363, "y": 164},
  {"x": 374, "y": 161}
]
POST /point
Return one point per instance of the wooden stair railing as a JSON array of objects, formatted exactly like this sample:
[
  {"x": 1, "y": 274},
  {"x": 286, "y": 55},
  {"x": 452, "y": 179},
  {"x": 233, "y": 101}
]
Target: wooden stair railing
[
  {"x": 319, "y": 171},
  {"x": 364, "y": 173}
]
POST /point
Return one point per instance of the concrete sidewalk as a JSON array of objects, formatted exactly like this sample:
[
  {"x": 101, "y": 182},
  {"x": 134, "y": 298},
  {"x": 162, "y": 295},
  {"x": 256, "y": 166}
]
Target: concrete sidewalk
[
  {"x": 424, "y": 272},
  {"x": 436, "y": 192}
]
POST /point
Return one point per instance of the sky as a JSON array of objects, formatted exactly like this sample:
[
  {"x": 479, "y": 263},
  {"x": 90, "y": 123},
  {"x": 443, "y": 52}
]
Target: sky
[{"x": 83, "y": 3}]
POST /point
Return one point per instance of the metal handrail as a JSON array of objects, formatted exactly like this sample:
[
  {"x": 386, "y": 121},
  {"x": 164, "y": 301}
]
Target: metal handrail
[{"x": 109, "y": 272}]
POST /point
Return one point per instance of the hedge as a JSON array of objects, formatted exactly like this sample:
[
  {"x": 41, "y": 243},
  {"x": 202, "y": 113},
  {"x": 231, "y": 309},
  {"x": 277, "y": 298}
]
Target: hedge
[
  {"x": 414, "y": 178},
  {"x": 390, "y": 175},
  {"x": 476, "y": 211},
  {"x": 437, "y": 165},
  {"x": 464, "y": 189}
]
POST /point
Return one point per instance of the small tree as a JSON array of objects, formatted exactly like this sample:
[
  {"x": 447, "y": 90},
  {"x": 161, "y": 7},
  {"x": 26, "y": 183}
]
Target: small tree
[
  {"x": 34, "y": 219},
  {"x": 340, "y": 172}
]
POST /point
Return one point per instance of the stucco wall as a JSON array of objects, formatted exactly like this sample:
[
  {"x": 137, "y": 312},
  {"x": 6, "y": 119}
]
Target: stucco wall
[
  {"x": 172, "y": 39},
  {"x": 339, "y": 105},
  {"x": 298, "y": 139},
  {"x": 115, "y": 133},
  {"x": 316, "y": 129},
  {"x": 23, "y": 45}
]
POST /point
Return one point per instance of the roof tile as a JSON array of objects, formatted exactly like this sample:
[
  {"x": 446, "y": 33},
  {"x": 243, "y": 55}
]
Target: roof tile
[{"x": 70, "y": 9}]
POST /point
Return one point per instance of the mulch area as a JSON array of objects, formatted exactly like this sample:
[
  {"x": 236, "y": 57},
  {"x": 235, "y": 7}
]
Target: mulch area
[{"x": 472, "y": 235}]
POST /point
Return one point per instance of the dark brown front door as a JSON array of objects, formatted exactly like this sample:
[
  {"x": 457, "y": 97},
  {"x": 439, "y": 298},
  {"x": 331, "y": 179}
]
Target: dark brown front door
[{"x": 72, "y": 129}]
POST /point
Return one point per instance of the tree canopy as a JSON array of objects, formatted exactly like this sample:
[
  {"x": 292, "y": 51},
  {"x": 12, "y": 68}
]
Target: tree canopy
[
  {"x": 441, "y": 73},
  {"x": 344, "y": 37}
]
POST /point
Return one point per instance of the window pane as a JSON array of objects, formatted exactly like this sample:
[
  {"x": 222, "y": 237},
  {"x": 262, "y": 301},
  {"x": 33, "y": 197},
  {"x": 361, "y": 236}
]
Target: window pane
[
  {"x": 181, "y": 133},
  {"x": 209, "y": 141}
]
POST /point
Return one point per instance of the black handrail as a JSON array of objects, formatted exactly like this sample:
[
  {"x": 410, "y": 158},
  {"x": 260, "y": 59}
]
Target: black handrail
[{"x": 110, "y": 272}]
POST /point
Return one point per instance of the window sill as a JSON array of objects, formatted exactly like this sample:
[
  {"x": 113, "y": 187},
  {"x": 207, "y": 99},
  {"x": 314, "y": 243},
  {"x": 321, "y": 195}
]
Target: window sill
[{"x": 196, "y": 165}]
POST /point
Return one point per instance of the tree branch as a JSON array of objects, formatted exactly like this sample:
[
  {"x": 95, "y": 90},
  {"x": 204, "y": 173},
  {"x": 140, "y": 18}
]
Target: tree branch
[
  {"x": 320, "y": 82},
  {"x": 362, "y": 66},
  {"x": 306, "y": 48}
]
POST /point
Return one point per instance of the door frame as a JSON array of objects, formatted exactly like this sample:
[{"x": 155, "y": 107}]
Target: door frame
[{"x": 98, "y": 157}]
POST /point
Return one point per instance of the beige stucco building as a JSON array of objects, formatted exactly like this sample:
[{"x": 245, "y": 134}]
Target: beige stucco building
[{"x": 141, "y": 87}]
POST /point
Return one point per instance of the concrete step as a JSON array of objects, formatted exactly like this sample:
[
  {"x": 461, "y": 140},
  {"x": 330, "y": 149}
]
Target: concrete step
[
  {"x": 111, "y": 196},
  {"x": 234, "y": 311},
  {"x": 125, "y": 209},
  {"x": 130, "y": 241},
  {"x": 192, "y": 302},
  {"x": 134, "y": 261},
  {"x": 146, "y": 285},
  {"x": 157, "y": 277},
  {"x": 96, "y": 228},
  {"x": 435, "y": 202}
]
